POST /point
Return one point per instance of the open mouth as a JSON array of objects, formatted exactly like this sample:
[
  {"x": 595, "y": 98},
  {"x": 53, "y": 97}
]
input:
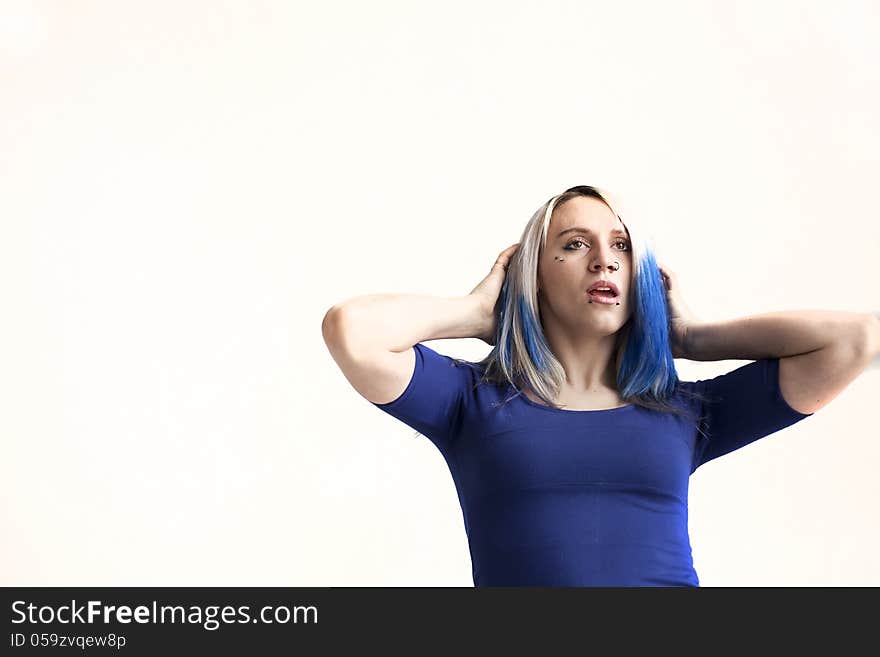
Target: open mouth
[
  {"x": 603, "y": 299},
  {"x": 603, "y": 289}
]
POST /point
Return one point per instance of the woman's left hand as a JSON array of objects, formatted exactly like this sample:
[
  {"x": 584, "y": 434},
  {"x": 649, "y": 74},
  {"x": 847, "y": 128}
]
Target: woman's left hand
[{"x": 681, "y": 318}]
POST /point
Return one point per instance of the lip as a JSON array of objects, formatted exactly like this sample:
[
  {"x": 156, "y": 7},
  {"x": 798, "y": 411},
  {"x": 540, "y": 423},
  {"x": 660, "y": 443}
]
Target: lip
[
  {"x": 608, "y": 301},
  {"x": 604, "y": 283}
]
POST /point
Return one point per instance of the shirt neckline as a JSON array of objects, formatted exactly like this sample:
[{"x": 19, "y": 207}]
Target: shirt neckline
[{"x": 534, "y": 404}]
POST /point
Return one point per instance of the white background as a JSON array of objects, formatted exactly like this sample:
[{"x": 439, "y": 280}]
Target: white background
[{"x": 187, "y": 187}]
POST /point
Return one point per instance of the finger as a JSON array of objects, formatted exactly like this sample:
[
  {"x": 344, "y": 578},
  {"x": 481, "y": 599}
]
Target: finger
[{"x": 507, "y": 253}]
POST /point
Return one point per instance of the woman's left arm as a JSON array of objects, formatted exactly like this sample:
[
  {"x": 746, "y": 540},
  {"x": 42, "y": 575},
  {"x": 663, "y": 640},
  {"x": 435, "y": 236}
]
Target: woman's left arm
[
  {"x": 820, "y": 351},
  {"x": 783, "y": 334}
]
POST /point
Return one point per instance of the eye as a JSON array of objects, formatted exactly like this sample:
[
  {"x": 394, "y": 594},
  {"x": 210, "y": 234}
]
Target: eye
[{"x": 568, "y": 246}]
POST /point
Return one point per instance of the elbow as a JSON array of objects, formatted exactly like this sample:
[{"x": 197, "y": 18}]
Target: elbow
[
  {"x": 330, "y": 323},
  {"x": 869, "y": 338},
  {"x": 861, "y": 338},
  {"x": 336, "y": 326}
]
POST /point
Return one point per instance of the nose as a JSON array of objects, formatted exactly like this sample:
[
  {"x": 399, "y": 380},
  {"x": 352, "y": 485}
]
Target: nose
[{"x": 604, "y": 259}]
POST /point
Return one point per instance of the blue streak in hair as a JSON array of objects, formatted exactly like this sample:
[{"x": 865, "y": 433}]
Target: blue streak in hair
[
  {"x": 531, "y": 329},
  {"x": 647, "y": 364}
]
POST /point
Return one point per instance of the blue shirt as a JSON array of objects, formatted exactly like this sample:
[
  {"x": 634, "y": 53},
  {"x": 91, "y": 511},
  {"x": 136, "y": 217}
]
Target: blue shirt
[{"x": 554, "y": 497}]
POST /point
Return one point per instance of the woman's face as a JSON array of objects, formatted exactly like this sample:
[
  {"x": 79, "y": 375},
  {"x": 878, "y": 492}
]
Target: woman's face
[{"x": 583, "y": 247}]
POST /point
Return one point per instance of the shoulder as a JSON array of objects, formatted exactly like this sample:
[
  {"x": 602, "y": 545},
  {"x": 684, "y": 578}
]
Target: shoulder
[{"x": 448, "y": 370}]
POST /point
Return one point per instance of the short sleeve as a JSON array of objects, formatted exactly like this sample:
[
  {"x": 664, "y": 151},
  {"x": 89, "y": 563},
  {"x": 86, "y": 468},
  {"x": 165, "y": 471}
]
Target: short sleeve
[
  {"x": 433, "y": 402},
  {"x": 740, "y": 407}
]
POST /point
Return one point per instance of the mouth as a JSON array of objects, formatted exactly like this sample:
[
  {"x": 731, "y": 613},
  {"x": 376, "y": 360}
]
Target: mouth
[
  {"x": 604, "y": 298},
  {"x": 603, "y": 290}
]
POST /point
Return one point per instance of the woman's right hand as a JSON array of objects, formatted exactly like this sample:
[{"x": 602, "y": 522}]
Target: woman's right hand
[{"x": 487, "y": 292}]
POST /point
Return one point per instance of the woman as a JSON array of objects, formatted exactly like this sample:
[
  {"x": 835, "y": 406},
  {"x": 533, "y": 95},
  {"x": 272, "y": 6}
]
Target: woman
[{"x": 571, "y": 444}]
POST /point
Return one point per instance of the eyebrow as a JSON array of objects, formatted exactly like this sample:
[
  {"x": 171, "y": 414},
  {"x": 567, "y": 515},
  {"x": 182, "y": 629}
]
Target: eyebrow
[{"x": 581, "y": 229}]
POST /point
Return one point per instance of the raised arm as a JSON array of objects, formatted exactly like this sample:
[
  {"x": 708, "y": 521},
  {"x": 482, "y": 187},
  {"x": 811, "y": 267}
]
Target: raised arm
[
  {"x": 820, "y": 352},
  {"x": 395, "y": 322},
  {"x": 372, "y": 337}
]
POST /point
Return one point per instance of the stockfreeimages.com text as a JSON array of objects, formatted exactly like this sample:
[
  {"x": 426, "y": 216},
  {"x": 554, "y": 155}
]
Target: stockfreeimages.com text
[{"x": 211, "y": 616}]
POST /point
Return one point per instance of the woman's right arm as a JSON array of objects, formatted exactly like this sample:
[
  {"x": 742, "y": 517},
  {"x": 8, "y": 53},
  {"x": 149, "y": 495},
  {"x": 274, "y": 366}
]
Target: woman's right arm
[
  {"x": 371, "y": 337},
  {"x": 395, "y": 322}
]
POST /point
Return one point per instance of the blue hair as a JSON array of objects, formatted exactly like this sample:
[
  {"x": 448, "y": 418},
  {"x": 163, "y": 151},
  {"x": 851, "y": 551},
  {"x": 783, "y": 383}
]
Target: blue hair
[{"x": 647, "y": 368}]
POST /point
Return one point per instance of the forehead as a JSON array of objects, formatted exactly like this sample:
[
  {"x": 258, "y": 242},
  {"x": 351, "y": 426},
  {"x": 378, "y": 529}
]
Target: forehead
[{"x": 585, "y": 212}]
